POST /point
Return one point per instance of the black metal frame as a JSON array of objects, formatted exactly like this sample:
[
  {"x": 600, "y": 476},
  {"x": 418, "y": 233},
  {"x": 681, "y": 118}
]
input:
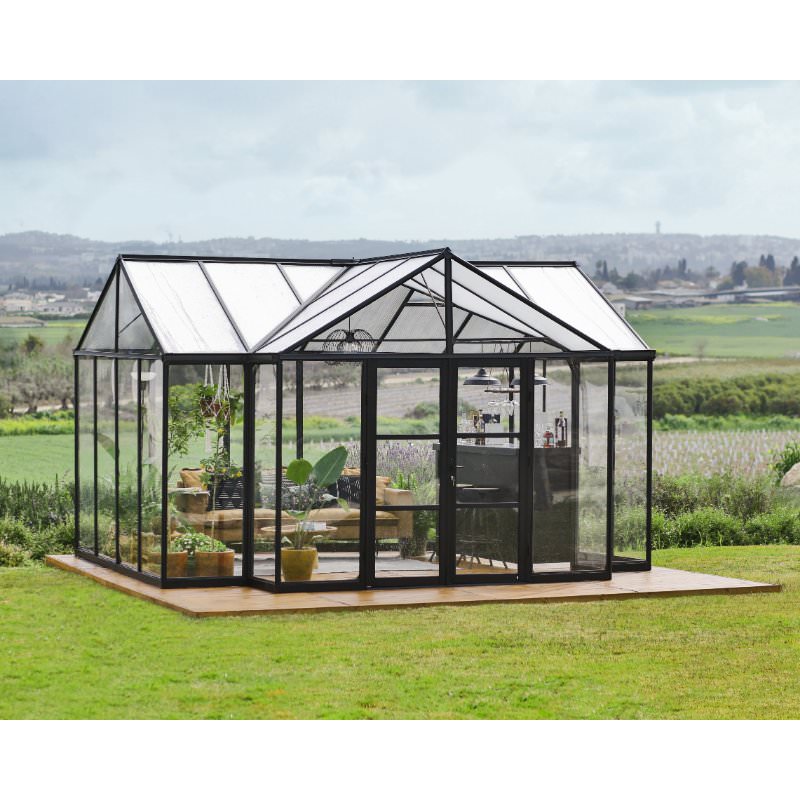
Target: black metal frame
[{"x": 446, "y": 362}]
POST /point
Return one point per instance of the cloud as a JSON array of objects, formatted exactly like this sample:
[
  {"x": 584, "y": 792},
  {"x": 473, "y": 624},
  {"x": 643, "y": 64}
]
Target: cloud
[{"x": 398, "y": 159}]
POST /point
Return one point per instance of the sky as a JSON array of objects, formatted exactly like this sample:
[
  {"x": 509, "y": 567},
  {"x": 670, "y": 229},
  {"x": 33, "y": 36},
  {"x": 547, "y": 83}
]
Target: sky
[{"x": 397, "y": 160}]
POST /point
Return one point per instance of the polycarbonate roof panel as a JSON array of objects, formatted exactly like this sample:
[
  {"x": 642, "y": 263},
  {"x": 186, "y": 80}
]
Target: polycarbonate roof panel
[
  {"x": 180, "y": 305},
  {"x": 343, "y": 296},
  {"x": 308, "y": 279},
  {"x": 257, "y": 296},
  {"x": 501, "y": 276},
  {"x": 569, "y": 295},
  {"x": 518, "y": 308}
]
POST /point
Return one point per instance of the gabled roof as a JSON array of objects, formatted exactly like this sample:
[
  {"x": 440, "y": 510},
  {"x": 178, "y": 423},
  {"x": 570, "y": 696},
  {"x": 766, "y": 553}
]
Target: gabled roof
[{"x": 173, "y": 305}]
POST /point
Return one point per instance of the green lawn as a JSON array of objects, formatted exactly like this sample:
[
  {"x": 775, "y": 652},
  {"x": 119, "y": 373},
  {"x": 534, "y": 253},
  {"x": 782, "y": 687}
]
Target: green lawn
[
  {"x": 761, "y": 330},
  {"x": 72, "y": 648},
  {"x": 37, "y": 457},
  {"x": 52, "y": 332}
]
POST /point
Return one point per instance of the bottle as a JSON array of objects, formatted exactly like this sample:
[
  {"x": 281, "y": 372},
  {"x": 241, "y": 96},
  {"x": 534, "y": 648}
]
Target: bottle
[
  {"x": 548, "y": 437},
  {"x": 561, "y": 430}
]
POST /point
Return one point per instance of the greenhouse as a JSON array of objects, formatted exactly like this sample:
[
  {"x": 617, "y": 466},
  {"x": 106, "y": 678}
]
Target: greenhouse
[{"x": 406, "y": 420}]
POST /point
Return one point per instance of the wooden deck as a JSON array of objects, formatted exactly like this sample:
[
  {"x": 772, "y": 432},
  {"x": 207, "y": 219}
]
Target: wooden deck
[{"x": 244, "y": 600}]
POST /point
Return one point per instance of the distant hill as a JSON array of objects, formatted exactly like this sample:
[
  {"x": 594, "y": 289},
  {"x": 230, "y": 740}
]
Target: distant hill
[{"x": 39, "y": 256}]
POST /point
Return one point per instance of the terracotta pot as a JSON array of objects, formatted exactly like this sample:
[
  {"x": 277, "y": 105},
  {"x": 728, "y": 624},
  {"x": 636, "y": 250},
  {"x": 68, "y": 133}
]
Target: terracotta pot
[
  {"x": 298, "y": 565},
  {"x": 405, "y": 519},
  {"x": 213, "y": 565},
  {"x": 176, "y": 564}
]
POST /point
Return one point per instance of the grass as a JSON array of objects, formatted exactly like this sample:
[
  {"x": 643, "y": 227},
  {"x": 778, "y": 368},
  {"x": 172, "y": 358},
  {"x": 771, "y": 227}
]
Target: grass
[
  {"x": 51, "y": 333},
  {"x": 37, "y": 457},
  {"x": 760, "y": 330},
  {"x": 75, "y": 649}
]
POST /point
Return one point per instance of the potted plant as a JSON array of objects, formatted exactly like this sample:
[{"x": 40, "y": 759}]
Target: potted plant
[
  {"x": 401, "y": 493},
  {"x": 298, "y": 553},
  {"x": 210, "y": 557}
]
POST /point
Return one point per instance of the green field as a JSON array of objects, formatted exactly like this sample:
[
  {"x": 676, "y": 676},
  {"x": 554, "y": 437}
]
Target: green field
[
  {"x": 763, "y": 330},
  {"x": 74, "y": 649},
  {"x": 37, "y": 458},
  {"x": 51, "y": 333}
]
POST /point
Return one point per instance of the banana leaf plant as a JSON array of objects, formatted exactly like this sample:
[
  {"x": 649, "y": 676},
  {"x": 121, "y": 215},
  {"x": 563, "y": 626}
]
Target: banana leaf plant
[{"x": 311, "y": 492}]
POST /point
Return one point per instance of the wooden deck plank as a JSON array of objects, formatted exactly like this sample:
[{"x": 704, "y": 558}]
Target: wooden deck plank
[{"x": 246, "y": 600}]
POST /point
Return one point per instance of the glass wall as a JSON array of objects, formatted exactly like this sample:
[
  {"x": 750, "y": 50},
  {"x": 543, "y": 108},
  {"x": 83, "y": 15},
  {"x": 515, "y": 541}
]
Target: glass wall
[
  {"x": 151, "y": 393},
  {"x": 106, "y": 458},
  {"x": 86, "y": 496},
  {"x": 591, "y": 547},
  {"x": 630, "y": 466},
  {"x": 407, "y": 446},
  {"x": 321, "y": 523},
  {"x": 128, "y": 466},
  {"x": 487, "y": 471},
  {"x": 555, "y": 465},
  {"x": 205, "y": 477},
  {"x": 264, "y": 474}
]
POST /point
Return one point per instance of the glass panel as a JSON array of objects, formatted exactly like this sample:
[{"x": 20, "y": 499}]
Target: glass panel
[
  {"x": 554, "y": 469},
  {"x": 418, "y": 321},
  {"x": 100, "y": 334},
  {"x": 308, "y": 279},
  {"x": 485, "y": 408},
  {"x": 206, "y": 473},
  {"x": 86, "y": 451},
  {"x": 128, "y": 464},
  {"x": 264, "y": 475},
  {"x": 501, "y": 276},
  {"x": 151, "y": 391},
  {"x": 487, "y": 473},
  {"x": 257, "y": 296},
  {"x": 321, "y": 541},
  {"x": 342, "y": 296},
  {"x": 407, "y": 543},
  {"x": 569, "y": 295},
  {"x": 106, "y": 450},
  {"x": 180, "y": 305},
  {"x": 374, "y": 319},
  {"x": 408, "y": 401},
  {"x": 593, "y": 467},
  {"x": 469, "y": 289},
  {"x": 133, "y": 331},
  {"x": 630, "y": 462},
  {"x": 486, "y": 540},
  {"x": 407, "y": 472}
]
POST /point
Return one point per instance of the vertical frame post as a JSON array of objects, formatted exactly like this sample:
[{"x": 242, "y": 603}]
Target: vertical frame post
[
  {"x": 248, "y": 518},
  {"x": 278, "y": 468},
  {"x": 448, "y": 301},
  {"x": 367, "y": 532},
  {"x": 575, "y": 370},
  {"x": 525, "y": 499},
  {"x": 76, "y": 407},
  {"x": 448, "y": 404},
  {"x": 139, "y": 435},
  {"x": 649, "y": 485},
  {"x": 610, "y": 464},
  {"x": 94, "y": 441},
  {"x": 164, "y": 471},
  {"x": 299, "y": 403},
  {"x": 115, "y": 367}
]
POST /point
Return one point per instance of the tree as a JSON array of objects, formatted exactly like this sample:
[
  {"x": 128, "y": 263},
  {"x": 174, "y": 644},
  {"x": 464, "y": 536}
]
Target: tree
[
  {"x": 737, "y": 272},
  {"x": 682, "y": 267},
  {"x": 793, "y": 275}
]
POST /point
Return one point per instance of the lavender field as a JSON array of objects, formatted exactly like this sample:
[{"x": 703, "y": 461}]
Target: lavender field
[{"x": 746, "y": 453}]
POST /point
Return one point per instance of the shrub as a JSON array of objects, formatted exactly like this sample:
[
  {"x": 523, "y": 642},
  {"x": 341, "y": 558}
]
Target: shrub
[
  {"x": 781, "y": 526},
  {"x": 659, "y": 531},
  {"x": 13, "y": 556},
  {"x": 706, "y": 526},
  {"x": 786, "y": 459},
  {"x": 16, "y": 533},
  {"x": 738, "y": 496}
]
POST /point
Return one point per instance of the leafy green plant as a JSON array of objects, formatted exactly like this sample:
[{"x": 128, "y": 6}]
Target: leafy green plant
[
  {"x": 313, "y": 482},
  {"x": 706, "y": 526},
  {"x": 780, "y": 526},
  {"x": 13, "y": 556},
  {"x": 786, "y": 459},
  {"x": 193, "y": 542}
]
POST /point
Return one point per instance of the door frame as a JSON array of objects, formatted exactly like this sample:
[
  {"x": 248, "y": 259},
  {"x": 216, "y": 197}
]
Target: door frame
[{"x": 370, "y": 444}]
